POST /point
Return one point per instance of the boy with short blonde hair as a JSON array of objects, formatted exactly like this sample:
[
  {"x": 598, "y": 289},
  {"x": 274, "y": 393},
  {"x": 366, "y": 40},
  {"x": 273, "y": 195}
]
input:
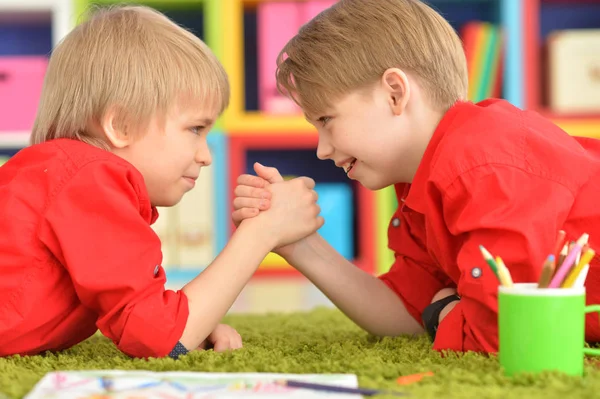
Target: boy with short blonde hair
[
  {"x": 385, "y": 83},
  {"x": 416, "y": 39},
  {"x": 120, "y": 75},
  {"x": 128, "y": 100}
]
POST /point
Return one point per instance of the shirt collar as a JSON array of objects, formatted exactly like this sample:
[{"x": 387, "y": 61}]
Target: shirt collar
[
  {"x": 415, "y": 193},
  {"x": 153, "y": 215}
]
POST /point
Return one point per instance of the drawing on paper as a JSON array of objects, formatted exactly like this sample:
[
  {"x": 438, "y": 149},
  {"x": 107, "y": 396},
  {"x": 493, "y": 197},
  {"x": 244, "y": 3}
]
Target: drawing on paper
[{"x": 116, "y": 384}]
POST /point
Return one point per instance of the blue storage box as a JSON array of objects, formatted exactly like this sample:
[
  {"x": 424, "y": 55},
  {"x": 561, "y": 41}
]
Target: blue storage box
[{"x": 337, "y": 207}]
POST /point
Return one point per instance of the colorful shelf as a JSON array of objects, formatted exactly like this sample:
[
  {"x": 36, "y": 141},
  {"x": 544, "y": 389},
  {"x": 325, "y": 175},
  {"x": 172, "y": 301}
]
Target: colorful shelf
[{"x": 230, "y": 28}]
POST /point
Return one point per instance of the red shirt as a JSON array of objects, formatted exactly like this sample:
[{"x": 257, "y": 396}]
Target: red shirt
[
  {"x": 506, "y": 179},
  {"x": 78, "y": 254}
]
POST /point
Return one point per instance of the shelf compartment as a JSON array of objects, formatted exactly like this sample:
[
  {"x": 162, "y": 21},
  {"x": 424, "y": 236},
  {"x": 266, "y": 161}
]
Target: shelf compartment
[
  {"x": 541, "y": 17},
  {"x": 294, "y": 155}
]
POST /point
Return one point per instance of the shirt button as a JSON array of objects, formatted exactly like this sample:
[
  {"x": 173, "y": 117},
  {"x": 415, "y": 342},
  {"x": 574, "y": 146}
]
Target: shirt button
[
  {"x": 156, "y": 270},
  {"x": 395, "y": 222}
]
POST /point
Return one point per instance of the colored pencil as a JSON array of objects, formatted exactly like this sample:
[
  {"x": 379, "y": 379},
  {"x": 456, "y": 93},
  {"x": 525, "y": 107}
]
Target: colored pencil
[
  {"x": 412, "y": 378},
  {"x": 547, "y": 272},
  {"x": 576, "y": 271},
  {"x": 580, "y": 282},
  {"x": 560, "y": 241},
  {"x": 564, "y": 269},
  {"x": 503, "y": 273},
  {"x": 561, "y": 256},
  {"x": 490, "y": 260},
  {"x": 558, "y": 246},
  {"x": 338, "y": 389}
]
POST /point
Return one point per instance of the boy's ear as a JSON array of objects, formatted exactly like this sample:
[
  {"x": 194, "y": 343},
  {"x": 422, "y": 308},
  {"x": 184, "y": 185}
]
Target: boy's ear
[
  {"x": 397, "y": 86},
  {"x": 114, "y": 131}
]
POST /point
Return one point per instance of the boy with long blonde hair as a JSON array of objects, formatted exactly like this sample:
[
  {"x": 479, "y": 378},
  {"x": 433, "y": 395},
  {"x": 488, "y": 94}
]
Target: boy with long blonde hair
[
  {"x": 385, "y": 84},
  {"x": 128, "y": 100}
]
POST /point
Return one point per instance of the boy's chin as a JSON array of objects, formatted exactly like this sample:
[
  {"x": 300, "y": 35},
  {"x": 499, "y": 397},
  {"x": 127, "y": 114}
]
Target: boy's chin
[
  {"x": 373, "y": 184},
  {"x": 167, "y": 202}
]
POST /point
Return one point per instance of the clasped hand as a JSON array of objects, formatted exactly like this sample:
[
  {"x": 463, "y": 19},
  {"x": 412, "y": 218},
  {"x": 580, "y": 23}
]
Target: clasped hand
[{"x": 292, "y": 207}]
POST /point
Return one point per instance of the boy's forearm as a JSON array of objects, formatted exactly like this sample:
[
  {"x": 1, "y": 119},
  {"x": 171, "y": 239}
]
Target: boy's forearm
[
  {"x": 211, "y": 294},
  {"x": 364, "y": 298}
]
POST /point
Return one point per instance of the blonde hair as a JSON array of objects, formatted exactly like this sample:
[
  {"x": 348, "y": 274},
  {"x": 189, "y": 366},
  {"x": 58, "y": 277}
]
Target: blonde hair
[
  {"x": 132, "y": 58},
  {"x": 350, "y": 45}
]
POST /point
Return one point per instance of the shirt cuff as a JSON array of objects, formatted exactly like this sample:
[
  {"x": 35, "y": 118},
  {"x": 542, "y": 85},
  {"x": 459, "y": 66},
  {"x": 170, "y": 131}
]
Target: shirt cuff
[
  {"x": 414, "y": 285},
  {"x": 178, "y": 350},
  {"x": 450, "y": 333}
]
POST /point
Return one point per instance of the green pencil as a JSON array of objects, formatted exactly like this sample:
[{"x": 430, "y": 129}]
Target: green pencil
[{"x": 490, "y": 260}]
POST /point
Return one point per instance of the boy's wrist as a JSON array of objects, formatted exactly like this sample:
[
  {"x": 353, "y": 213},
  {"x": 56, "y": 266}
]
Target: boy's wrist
[
  {"x": 297, "y": 249},
  {"x": 253, "y": 230}
]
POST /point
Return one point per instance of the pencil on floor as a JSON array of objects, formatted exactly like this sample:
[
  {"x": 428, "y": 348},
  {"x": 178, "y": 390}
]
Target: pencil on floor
[
  {"x": 338, "y": 389},
  {"x": 547, "y": 272}
]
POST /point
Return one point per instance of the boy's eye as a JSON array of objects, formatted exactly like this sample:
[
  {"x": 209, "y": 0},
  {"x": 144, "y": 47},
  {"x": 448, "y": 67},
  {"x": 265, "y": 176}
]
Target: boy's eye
[
  {"x": 197, "y": 129},
  {"x": 324, "y": 120}
]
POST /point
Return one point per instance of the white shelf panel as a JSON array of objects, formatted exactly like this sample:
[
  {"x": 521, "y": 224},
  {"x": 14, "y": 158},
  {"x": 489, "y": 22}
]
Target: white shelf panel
[
  {"x": 61, "y": 11},
  {"x": 14, "y": 139}
]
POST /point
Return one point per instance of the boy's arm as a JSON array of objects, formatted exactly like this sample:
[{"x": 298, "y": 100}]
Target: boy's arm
[
  {"x": 364, "y": 298},
  {"x": 213, "y": 292},
  {"x": 513, "y": 214},
  {"x": 389, "y": 305},
  {"x": 113, "y": 258}
]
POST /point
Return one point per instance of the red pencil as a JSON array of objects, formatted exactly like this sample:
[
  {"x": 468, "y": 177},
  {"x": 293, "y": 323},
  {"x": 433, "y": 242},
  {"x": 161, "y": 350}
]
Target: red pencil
[{"x": 560, "y": 241}]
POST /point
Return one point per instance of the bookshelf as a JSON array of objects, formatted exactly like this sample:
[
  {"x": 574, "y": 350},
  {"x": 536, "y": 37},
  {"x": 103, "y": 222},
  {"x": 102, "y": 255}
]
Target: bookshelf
[
  {"x": 540, "y": 19},
  {"x": 29, "y": 29},
  {"x": 245, "y": 133}
]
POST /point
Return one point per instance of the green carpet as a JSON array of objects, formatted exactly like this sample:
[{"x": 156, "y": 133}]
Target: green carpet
[{"x": 322, "y": 341}]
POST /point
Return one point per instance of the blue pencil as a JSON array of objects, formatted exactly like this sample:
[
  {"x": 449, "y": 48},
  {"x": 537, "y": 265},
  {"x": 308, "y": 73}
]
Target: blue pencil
[{"x": 331, "y": 388}]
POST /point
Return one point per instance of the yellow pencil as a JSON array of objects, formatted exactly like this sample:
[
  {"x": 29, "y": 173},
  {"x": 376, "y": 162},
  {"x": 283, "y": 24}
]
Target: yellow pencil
[
  {"x": 503, "y": 273},
  {"x": 574, "y": 273}
]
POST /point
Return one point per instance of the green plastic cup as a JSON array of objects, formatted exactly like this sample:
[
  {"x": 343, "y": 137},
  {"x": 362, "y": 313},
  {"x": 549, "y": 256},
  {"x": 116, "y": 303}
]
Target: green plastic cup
[{"x": 542, "y": 329}]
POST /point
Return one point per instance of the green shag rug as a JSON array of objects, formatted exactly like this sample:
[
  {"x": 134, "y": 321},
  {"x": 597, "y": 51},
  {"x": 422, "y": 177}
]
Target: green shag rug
[{"x": 322, "y": 341}]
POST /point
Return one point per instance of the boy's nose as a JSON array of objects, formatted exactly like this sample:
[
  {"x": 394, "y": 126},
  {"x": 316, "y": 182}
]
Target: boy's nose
[
  {"x": 324, "y": 149},
  {"x": 203, "y": 155}
]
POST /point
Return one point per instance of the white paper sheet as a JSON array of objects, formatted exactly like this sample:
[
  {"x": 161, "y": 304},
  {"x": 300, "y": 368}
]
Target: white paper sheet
[{"x": 117, "y": 384}]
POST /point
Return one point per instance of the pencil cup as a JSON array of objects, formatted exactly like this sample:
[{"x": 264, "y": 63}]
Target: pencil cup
[{"x": 542, "y": 329}]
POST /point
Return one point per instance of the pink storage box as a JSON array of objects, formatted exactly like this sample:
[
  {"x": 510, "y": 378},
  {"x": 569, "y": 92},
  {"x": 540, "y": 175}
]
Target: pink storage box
[
  {"x": 312, "y": 8},
  {"x": 21, "y": 81},
  {"x": 277, "y": 23}
]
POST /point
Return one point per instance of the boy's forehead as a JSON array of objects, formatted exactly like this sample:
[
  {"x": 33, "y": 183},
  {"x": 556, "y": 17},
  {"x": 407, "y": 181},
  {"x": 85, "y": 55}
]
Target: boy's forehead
[{"x": 205, "y": 113}]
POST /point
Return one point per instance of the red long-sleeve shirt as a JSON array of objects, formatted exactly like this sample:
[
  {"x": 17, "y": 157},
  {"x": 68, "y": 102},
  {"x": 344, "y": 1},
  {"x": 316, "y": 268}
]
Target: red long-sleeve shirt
[
  {"x": 77, "y": 254},
  {"x": 503, "y": 178}
]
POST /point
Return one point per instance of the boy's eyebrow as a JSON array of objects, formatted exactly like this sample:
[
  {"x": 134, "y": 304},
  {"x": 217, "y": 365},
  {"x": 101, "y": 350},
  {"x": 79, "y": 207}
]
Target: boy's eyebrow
[
  {"x": 307, "y": 117},
  {"x": 204, "y": 121}
]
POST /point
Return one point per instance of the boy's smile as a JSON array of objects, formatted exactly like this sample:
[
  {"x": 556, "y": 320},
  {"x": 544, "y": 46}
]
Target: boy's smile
[{"x": 377, "y": 135}]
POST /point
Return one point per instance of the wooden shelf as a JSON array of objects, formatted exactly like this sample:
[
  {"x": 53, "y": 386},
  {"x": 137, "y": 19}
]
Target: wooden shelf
[
  {"x": 61, "y": 13},
  {"x": 582, "y": 128},
  {"x": 256, "y": 122}
]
